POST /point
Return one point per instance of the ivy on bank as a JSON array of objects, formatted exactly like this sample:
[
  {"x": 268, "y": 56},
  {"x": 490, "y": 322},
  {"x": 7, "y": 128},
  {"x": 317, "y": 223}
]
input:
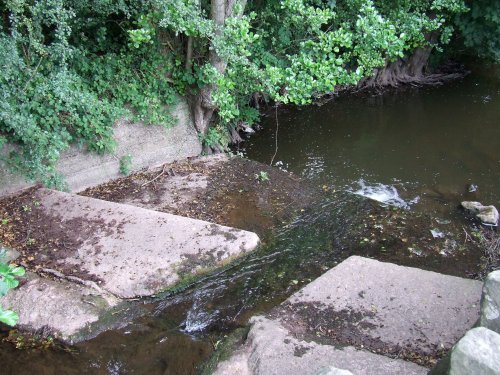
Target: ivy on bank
[{"x": 68, "y": 72}]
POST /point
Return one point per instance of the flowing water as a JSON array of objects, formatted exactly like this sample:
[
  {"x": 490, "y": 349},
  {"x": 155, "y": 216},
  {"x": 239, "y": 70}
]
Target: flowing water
[
  {"x": 428, "y": 139},
  {"x": 417, "y": 149}
]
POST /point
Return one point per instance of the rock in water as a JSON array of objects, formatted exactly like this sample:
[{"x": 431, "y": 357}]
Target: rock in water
[
  {"x": 487, "y": 214},
  {"x": 476, "y": 353},
  {"x": 490, "y": 302}
]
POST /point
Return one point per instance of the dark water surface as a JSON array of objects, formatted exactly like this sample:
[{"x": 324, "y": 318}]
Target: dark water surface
[
  {"x": 440, "y": 138},
  {"x": 417, "y": 148}
]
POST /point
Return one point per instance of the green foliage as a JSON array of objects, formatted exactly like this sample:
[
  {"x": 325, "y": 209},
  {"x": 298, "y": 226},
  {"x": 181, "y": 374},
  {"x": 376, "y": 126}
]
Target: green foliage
[
  {"x": 129, "y": 80},
  {"x": 262, "y": 176},
  {"x": 70, "y": 69},
  {"x": 216, "y": 136},
  {"x": 480, "y": 28},
  {"x": 293, "y": 50},
  {"x": 8, "y": 280},
  {"x": 125, "y": 165}
]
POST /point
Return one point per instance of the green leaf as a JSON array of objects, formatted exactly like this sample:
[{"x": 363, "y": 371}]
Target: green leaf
[
  {"x": 10, "y": 282},
  {"x": 8, "y": 317},
  {"x": 4, "y": 288},
  {"x": 4, "y": 268},
  {"x": 18, "y": 271}
]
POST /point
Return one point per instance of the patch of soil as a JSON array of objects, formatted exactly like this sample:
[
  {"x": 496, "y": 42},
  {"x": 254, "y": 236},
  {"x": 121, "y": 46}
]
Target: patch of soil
[
  {"x": 232, "y": 193},
  {"x": 43, "y": 238},
  {"x": 327, "y": 326}
]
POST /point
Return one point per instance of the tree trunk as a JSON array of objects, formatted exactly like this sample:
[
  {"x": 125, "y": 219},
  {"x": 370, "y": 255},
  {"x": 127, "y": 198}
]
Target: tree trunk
[
  {"x": 189, "y": 54},
  {"x": 410, "y": 70},
  {"x": 202, "y": 106}
]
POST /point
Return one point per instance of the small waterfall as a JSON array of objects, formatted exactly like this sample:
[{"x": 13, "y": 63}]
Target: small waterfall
[
  {"x": 199, "y": 317},
  {"x": 385, "y": 194}
]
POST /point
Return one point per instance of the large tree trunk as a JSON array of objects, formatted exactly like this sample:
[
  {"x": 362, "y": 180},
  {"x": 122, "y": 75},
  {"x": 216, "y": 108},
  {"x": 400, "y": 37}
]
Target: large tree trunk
[
  {"x": 402, "y": 71},
  {"x": 410, "y": 70},
  {"x": 202, "y": 106}
]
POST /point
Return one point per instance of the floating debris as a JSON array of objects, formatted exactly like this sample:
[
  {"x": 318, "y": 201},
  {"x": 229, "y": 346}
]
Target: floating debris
[
  {"x": 472, "y": 188},
  {"x": 436, "y": 233},
  {"x": 416, "y": 251},
  {"x": 442, "y": 221}
]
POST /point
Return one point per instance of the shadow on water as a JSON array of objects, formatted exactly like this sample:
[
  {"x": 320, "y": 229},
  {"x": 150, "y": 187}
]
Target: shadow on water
[{"x": 399, "y": 146}]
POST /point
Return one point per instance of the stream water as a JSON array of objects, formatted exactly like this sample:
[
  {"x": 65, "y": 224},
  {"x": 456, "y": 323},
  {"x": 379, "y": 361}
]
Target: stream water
[{"x": 420, "y": 149}]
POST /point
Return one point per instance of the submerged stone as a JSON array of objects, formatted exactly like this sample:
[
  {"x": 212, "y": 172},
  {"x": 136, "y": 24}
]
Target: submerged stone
[{"x": 487, "y": 214}]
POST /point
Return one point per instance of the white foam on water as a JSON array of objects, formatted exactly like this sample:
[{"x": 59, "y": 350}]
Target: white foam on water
[
  {"x": 198, "y": 318},
  {"x": 385, "y": 194},
  {"x": 197, "y": 321}
]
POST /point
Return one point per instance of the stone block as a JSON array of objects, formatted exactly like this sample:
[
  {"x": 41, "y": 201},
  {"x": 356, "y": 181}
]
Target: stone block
[{"x": 490, "y": 302}]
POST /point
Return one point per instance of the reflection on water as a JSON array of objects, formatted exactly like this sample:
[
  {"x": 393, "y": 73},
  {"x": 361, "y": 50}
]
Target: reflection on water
[
  {"x": 431, "y": 138},
  {"x": 432, "y": 143}
]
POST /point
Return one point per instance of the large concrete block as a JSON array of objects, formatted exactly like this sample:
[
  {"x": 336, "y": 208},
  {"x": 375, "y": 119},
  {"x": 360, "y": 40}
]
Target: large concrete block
[
  {"x": 362, "y": 316},
  {"x": 385, "y": 307},
  {"x": 129, "y": 251}
]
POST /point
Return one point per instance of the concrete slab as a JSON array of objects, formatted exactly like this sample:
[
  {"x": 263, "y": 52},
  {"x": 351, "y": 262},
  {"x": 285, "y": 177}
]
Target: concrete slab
[
  {"x": 384, "y": 307},
  {"x": 272, "y": 350},
  {"x": 128, "y": 251},
  {"x": 363, "y": 316},
  {"x": 61, "y": 309},
  {"x": 216, "y": 188}
]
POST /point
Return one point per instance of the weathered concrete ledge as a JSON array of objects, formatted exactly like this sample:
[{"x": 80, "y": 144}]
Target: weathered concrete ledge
[
  {"x": 146, "y": 145},
  {"x": 273, "y": 350},
  {"x": 363, "y": 316},
  {"x": 60, "y": 308},
  {"x": 116, "y": 251}
]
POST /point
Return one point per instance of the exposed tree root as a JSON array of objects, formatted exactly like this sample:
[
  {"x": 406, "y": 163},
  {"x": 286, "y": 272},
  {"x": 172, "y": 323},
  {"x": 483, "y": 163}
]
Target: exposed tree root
[{"x": 412, "y": 70}]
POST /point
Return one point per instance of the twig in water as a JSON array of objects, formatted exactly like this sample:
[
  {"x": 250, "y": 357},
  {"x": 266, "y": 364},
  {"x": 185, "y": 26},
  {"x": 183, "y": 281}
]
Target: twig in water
[
  {"x": 276, "y": 136},
  {"x": 467, "y": 236}
]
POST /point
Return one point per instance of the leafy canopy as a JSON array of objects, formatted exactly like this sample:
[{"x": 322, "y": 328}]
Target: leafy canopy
[{"x": 70, "y": 68}]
